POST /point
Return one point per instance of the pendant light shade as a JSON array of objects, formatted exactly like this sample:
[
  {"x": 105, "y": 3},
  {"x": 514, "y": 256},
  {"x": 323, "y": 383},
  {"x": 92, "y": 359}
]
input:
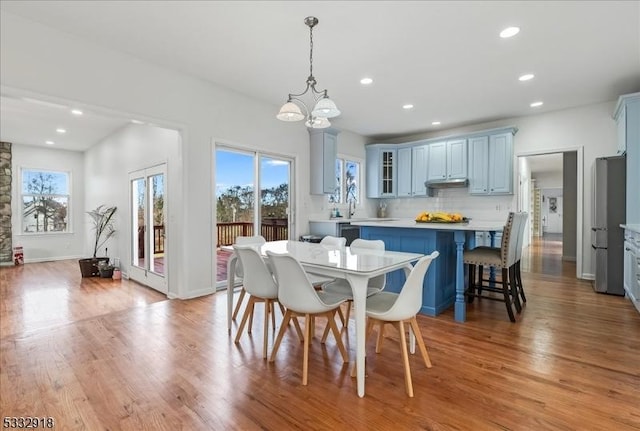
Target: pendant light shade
[
  {"x": 323, "y": 107},
  {"x": 290, "y": 112},
  {"x": 317, "y": 123}
]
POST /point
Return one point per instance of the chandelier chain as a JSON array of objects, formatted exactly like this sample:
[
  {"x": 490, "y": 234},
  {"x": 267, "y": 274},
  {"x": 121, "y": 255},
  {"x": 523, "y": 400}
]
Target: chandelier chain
[{"x": 311, "y": 52}]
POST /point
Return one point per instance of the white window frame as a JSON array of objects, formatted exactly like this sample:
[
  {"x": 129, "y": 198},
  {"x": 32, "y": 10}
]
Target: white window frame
[
  {"x": 341, "y": 182},
  {"x": 24, "y": 194}
]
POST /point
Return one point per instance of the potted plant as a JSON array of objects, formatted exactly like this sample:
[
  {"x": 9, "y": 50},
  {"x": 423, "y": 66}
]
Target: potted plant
[{"x": 103, "y": 225}]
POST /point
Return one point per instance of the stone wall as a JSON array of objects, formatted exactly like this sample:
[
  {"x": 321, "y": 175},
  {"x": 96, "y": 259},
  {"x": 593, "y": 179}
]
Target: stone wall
[{"x": 6, "y": 254}]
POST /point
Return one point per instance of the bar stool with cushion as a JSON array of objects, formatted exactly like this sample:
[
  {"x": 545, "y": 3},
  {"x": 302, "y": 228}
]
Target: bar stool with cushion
[
  {"x": 375, "y": 285},
  {"x": 300, "y": 298},
  {"x": 400, "y": 308},
  {"x": 499, "y": 258},
  {"x": 518, "y": 276}
]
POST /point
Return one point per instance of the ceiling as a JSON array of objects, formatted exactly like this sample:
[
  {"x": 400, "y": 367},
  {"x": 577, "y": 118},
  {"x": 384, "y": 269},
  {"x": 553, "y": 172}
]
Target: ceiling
[
  {"x": 445, "y": 58},
  {"x": 545, "y": 164}
]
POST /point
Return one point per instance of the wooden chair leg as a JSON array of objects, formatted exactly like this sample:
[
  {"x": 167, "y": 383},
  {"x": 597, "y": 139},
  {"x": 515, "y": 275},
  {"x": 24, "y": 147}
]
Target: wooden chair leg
[
  {"x": 341, "y": 315},
  {"x": 471, "y": 289},
  {"x": 507, "y": 294},
  {"x": 380, "y": 337},
  {"x": 423, "y": 349},
  {"x": 238, "y": 304},
  {"x": 283, "y": 327},
  {"x": 347, "y": 314},
  {"x": 325, "y": 334},
  {"x": 519, "y": 281},
  {"x": 514, "y": 288},
  {"x": 336, "y": 334},
  {"x": 250, "y": 306},
  {"x": 296, "y": 325},
  {"x": 267, "y": 311},
  {"x": 272, "y": 310},
  {"x": 305, "y": 356},
  {"x": 247, "y": 311},
  {"x": 405, "y": 360}
]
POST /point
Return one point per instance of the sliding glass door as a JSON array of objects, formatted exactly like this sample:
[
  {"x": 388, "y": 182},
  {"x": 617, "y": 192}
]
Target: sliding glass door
[
  {"x": 148, "y": 235},
  {"x": 252, "y": 192}
]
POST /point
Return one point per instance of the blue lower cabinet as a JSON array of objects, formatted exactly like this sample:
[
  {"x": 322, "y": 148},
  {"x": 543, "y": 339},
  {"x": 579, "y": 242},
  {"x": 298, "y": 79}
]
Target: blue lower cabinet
[{"x": 440, "y": 282}]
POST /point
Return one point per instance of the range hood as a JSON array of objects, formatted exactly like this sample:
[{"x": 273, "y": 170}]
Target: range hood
[{"x": 441, "y": 184}]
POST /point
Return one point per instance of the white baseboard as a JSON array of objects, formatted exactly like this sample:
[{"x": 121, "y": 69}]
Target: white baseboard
[
  {"x": 194, "y": 293},
  {"x": 587, "y": 276},
  {"x": 50, "y": 259}
]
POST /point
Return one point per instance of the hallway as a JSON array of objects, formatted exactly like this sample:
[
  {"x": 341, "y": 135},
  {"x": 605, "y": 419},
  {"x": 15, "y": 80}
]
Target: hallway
[{"x": 544, "y": 256}]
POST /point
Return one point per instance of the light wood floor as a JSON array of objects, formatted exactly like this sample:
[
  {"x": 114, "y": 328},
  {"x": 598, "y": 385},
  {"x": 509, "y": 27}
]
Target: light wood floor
[{"x": 98, "y": 354}]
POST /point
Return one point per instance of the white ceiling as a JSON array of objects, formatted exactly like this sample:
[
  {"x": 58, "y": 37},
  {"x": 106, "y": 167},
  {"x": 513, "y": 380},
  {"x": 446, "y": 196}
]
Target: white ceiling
[
  {"x": 545, "y": 164},
  {"x": 445, "y": 58}
]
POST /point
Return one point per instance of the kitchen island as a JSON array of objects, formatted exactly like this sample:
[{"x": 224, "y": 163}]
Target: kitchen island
[{"x": 445, "y": 281}]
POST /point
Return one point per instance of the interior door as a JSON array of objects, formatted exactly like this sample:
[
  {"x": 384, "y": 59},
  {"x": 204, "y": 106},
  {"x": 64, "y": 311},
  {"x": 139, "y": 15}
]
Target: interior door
[{"x": 148, "y": 203}]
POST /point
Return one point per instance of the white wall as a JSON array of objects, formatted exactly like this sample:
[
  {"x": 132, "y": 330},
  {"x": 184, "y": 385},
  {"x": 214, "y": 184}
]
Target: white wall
[
  {"x": 89, "y": 74},
  {"x": 50, "y": 246},
  {"x": 107, "y": 167},
  {"x": 549, "y": 180}
]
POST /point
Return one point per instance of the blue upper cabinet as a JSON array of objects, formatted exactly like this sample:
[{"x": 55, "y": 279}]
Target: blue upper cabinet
[
  {"x": 491, "y": 164},
  {"x": 404, "y": 172},
  {"x": 457, "y": 159},
  {"x": 627, "y": 116},
  {"x": 419, "y": 162},
  {"x": 382, "y": 170},
  {"x": 437, "y": 165},
  {"x": 447, "y": 160},
  {"x": 324, "y": 150}
]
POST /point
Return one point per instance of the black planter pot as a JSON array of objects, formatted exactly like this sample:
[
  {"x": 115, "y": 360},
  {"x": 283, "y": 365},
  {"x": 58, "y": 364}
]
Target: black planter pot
[
  {"x": 89, "y": 266},
  {"x": 106, "y": 273}
]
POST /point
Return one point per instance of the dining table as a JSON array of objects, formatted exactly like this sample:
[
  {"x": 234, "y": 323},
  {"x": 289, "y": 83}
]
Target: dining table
[{"x": 356, "y": 266}]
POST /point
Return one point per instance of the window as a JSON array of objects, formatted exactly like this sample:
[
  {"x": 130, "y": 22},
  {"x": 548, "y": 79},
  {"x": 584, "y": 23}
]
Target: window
[
  {"x": 347, "y": 182},
  {"x": 45, "y": 201}
]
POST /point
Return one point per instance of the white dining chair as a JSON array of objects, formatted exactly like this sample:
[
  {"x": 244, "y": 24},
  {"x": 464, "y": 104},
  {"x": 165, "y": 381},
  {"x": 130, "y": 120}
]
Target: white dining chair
[
  {"x": 300, "y": 298},
  {"x": 261, "y": 287},
  {"x": 342, "y": 286},
  {"x": 256, "y": 241},
  {"x": 398, "y": 309},
  {"x": 331, "y": 241}
]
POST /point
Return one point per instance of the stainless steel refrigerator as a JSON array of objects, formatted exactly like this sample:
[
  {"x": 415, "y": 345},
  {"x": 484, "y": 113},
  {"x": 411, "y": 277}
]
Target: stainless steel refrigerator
[{"x": 609, "y": 211}]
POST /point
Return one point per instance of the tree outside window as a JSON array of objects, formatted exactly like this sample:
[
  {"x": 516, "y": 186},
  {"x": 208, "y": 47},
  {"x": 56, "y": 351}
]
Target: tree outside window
[
  {"x": 45, "y": 201},
  {"x": 347, "y": 182}
]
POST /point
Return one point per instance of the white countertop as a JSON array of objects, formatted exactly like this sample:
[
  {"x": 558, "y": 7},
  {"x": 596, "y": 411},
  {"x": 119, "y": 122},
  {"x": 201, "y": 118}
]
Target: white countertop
[
  {"x": 632, "y": 227},
  {"x": 411, "y": 223}
]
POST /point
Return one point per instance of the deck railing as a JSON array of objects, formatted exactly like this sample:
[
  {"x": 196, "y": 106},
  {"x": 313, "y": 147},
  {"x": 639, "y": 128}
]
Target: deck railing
[{"x": 272, "y": 229}]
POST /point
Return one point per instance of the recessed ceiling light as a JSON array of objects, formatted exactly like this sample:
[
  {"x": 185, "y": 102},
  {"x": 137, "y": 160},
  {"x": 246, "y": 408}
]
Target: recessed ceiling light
[
  {"x": 536, "y": 104},
  {"x": 366, "y": 81},
  {"x": 61, "y": 130},
  {"x": 49, "y": 142},
  {"x": 435, "y": 123},
  {"x": 137, "y": 122},
  {"x": 407, "y": 106},
  {"x": 526, "y": 77},
  {"x": 509, "y": 32},
  {"x": 76, "y": 112}
]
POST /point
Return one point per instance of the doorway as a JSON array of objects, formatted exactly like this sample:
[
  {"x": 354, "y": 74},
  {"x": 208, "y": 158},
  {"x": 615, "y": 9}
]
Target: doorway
[
  {"x": 147, "y": 210},
  {"x": 550, "y": 190},
  {"x": 253, "y": 193}
]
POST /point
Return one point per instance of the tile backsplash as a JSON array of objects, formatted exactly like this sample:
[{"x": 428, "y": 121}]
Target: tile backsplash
[{"x": 453, "y": 200}]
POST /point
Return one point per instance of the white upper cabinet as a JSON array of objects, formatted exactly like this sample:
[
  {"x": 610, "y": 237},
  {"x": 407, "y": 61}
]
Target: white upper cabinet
[
  {"x": 324, "y": 150},
  {"x": 627, "y": 116}
]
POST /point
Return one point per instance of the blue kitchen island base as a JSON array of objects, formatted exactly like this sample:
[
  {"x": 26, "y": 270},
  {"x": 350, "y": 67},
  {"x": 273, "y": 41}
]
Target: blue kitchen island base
[{"x": 439, "y": 291}]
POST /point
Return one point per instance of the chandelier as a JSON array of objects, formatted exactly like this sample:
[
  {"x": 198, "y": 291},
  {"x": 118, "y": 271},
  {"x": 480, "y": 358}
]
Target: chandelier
[{"x": 295, "y": 109}]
